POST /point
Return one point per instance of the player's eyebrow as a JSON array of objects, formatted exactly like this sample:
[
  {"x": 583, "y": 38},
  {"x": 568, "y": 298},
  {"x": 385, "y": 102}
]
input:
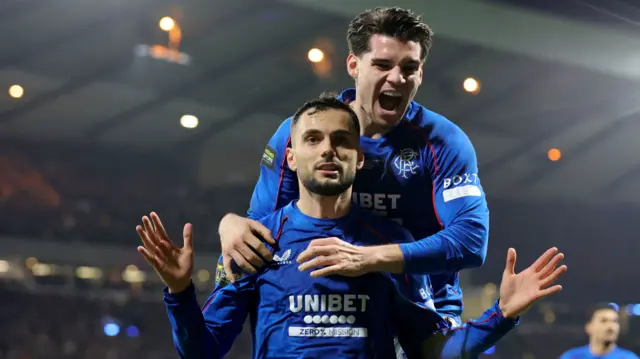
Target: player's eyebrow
[
  {"x": 380, "y": 60},
  {"x": 342, "y": 133}
]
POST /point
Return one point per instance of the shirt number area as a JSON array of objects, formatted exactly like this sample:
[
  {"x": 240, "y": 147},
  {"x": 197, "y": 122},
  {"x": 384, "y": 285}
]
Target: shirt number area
[{"x": 328, "y": 332}]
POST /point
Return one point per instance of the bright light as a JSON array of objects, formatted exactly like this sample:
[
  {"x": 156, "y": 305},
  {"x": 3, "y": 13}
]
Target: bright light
[
  {"x": 41, "y": 270},
  {"x": 30, "y": 262},
  {"x": 554, "y": 154},
  {"x": 471, "y": 85},
  {"x": 4, "y": 266},
  {"x": 167, "y": 23},
  {"x": 133, "y": 275},
  {"x": 111, "y": 329},
  {"x": 315, "y": 55},
  {"x": 88, "y": 273},
  {"x": 189, "y": 121},
  {"x": 16, "y": 91}
]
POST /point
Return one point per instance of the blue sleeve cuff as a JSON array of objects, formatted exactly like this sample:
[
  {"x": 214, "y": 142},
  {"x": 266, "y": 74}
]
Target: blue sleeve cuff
[
  {"x": 186, "y": 295},
  {"x": 503, "y": 322}
]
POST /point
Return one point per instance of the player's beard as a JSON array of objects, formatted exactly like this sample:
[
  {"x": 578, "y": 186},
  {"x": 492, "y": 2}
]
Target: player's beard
[{"x": 328, "y": 188}]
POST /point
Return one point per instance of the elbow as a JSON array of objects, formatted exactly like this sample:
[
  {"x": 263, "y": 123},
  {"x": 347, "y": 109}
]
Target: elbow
[
  {"x": 476, "y": 260},
  {"x": 479, "y": 239}
]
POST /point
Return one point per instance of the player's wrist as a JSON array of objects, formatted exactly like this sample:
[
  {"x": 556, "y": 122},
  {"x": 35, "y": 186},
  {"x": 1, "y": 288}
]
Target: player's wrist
[
  {"x": 506, "y": 310},
  {"x": 180, "y": 287},
  {"x": 387, "y": 258}
]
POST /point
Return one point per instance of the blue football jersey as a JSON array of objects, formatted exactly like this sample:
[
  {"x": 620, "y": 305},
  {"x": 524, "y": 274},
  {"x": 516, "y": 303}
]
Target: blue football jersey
[
  {"x": 583, "y": 352},
  {"x": 293, "y": 315},
  {"x": 422, "y": 174}
]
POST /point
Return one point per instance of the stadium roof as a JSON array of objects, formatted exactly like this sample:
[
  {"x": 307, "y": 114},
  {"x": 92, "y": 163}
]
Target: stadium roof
[{"x": 547, "y": 81}]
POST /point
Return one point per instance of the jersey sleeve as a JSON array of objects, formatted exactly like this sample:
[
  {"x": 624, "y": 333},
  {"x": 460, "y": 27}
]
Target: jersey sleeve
[
  {"x": 277, "y": 184},
  {"x": 209, "y": 332},
  {"x": 468, "y": 341},
  {"x": 460, "y": 206}
]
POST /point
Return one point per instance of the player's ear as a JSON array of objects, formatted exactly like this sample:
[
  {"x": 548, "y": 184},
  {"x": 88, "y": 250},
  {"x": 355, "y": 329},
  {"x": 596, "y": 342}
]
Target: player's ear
[
  {"x": 360, "y": 158},
  {"x": 291, "y": 159},
  {"x": 352, "y": 66}
]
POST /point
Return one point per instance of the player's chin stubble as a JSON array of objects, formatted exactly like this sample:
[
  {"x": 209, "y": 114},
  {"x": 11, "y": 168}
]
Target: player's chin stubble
[{"x": 327, "y": 188}]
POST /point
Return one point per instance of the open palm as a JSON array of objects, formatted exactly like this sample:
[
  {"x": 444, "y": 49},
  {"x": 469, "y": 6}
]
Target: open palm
[
  {"x": 174, "y": 265},
  {"x": 519, "y": 291}
]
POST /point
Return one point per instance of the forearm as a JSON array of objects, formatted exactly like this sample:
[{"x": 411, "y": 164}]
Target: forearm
[
  {"x": 472, "y": 339},
  {"x": 191, "y": 337},
  {"x": 459, "y": 246}
]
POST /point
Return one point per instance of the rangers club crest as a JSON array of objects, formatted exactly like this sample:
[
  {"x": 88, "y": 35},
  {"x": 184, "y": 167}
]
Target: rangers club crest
[{"x": 405, "y": 162}]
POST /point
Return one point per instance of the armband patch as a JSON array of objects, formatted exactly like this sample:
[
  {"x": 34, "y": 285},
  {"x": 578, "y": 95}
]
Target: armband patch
[{"x": 268, "y": 157}]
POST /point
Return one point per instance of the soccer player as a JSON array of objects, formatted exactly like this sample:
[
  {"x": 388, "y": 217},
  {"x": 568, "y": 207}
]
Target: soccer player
[
  {"x": 297, "y": 316},
  {"x": 420, "y": 170},
  {"x": 603, "y": 328}
]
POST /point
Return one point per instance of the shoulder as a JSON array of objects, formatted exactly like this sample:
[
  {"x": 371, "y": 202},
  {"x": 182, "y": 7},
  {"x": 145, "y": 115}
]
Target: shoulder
[
  {"x": 569, "y": 354},
  {"x": 439, "y": 130},
  {"x": 627, "y": 354},
  {"x": 383, "y": 229},
  {"x": 280, "y": 138}
]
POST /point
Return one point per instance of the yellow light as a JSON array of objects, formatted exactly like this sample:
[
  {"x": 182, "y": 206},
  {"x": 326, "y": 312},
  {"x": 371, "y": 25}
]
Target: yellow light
[
  {"x": 471, "y": 85},
  {"x": 132, "y": 275},
  {"x": 30, "y": 262},
  {"x": 41, "y": 270},
  {"x": 16, "y": 91},
  {"x": 88, "y": 273},
  {"x": 167, "y": 24},
  {"x": 189, "y": 121},
  {"x": 315, "y": 55}
]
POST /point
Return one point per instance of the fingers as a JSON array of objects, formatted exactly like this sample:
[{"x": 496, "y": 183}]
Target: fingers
[
  {"x": 326, "y": 271},
  {"x": 259, "y": 247},
  {"x": 557, "y": 273},
  {"x": 251, "y": 257},
  {"x": 241, "y": 262},
  {"x": 544, "y": 259},
  {"x": 262, "y": 231},
  {"x": 187, "y": 236},
  {"x": 164, "y": 248},
  {"x": 226, "y": 262},
  {"x": 319, "y": 261},
  {"x": 317, "y": 247},
  {"x": 552, "y": 290},
  {"x": 159, "y": 228},
  {"x": 549, "y": 267},
  {"x": 153, "y": 260},
  {"x": 510, "y": 267}
]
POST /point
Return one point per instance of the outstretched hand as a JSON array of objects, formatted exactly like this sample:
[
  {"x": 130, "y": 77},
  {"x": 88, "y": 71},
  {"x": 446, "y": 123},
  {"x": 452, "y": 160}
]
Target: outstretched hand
[
  {"x": 174, "y": 265},
  {"x": 518, "y": 292}
]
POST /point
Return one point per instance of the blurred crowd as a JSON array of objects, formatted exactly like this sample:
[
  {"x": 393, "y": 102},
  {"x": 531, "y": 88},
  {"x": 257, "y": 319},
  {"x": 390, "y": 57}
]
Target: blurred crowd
[
  {"x": 62, "y": 193},
  {"x": 53, "y": 326}
]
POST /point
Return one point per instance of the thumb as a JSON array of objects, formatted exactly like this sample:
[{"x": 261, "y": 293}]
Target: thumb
[
  {"x": 263, "y": 231},
  {"x": 187, "y": 235},
  {"x": 510, "y": 267}
]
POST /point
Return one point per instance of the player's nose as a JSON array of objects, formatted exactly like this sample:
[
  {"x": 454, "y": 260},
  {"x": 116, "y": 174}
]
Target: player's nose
[{"x": 395, "y": 76}]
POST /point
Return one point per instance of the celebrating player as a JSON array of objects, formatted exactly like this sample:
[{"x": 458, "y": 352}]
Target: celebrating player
[
  {"x": 420, "y": 169},
  {"x": 602, "y": 327},
  {"x": 293, "y": 315}
]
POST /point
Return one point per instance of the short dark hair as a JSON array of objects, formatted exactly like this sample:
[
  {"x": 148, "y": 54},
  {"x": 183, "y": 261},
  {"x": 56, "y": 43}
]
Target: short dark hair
[
  {"x": 395, "y": 22},
  {"x": 326, "y": 101},
  {"x": 598, "y": 307}
]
